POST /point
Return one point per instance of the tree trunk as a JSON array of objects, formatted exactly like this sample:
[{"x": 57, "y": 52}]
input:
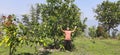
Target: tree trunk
[
  {"x": 10, "y": 51},
  {"x": 36, "y": 51}
]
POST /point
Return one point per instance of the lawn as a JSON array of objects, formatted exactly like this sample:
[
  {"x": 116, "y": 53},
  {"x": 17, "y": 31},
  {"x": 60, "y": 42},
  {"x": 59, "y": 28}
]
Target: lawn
[{"x": 84, "y": 46}]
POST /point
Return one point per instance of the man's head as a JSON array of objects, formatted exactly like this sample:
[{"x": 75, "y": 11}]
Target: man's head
[{"x": 68, "y": 28}]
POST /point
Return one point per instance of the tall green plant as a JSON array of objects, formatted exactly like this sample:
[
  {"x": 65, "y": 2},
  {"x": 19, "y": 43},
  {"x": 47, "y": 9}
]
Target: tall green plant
[
  {"x": 92, "y": 32},
  {"x": 10, "y": 38},
  {"x": 31, "y": 27}
]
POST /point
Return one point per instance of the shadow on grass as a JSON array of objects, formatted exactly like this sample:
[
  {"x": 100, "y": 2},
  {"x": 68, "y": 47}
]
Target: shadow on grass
[
  {"x": 45, "y": 53},
  {"x": 25, "y": 54},
  {"x": 40, "y": 53}
]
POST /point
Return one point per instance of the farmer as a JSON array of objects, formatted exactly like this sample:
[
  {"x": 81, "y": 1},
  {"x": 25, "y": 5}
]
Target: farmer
[{"x": 67, "y": 41}]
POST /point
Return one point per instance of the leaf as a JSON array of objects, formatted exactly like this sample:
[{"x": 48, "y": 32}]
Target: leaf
[
  {"x": 9, "y": 44},
  {"x": 44, "y": 44},
  {"x": 20, "y": 38},
  {"x": 1, "y": 42},
  {"x": 14, "y": 33},
  {"x": 6, "y": 39}
]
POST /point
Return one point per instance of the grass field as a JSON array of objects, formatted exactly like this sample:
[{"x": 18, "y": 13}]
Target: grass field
[{"x": 84, "y": 46}]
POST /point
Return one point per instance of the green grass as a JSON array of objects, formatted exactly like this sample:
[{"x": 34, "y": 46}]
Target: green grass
[
  {"x": 20, "y": 50},
  {"x": 84, "y": 46}
]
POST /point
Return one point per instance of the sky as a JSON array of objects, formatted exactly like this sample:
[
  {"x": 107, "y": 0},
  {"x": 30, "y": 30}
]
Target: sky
[{"x": 20, "y": 7}]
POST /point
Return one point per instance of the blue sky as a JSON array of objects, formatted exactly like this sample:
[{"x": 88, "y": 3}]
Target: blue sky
[{"x": 20, "y": 7}]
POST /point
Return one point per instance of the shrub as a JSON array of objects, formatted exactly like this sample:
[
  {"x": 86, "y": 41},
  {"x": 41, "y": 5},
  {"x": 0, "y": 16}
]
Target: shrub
[{"x": 92, "y": 32}]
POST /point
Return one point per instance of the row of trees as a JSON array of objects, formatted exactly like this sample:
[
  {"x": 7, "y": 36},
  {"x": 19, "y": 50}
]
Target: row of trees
[{"x": 42, "y": 26}]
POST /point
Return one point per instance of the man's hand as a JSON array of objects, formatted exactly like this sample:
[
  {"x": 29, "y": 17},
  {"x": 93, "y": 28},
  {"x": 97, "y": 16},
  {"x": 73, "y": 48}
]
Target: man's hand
[
  {"x": 75, "y": 27},
  {"x": 61, "y": 29}
]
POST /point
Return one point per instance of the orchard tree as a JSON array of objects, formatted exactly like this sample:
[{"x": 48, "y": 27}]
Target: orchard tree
[
  {"x": 45, "y": 21},
  {"x": 31, "y": 28},
  {"x": 57, "y": 14},
  {"x": 108, "y": 14},
  {"x": 10, "y": 33}
]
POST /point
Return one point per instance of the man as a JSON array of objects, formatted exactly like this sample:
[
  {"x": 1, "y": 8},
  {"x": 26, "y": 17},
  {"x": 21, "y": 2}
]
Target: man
[{"x": 67, "y": 42}]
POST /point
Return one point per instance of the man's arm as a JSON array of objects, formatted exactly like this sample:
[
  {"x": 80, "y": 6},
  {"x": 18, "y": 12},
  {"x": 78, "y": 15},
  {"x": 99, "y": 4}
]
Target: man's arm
[
  {"x": 74, "y": 29},
  {"x": 62, "y": 30}
]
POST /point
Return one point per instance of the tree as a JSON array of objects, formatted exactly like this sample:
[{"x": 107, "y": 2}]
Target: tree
[
  {"x": 10, "y": 30},
  {"x": 31, "y": 23},
  {"x": 100, "y": 32},
  {"x": 60, "y": 13},
  {"x": 107, "y": 13}
]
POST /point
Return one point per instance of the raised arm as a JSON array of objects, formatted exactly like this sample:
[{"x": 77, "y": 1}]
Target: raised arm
[
  {"x": 62, "y": 30},
  {"x": 74, "y": 29}
]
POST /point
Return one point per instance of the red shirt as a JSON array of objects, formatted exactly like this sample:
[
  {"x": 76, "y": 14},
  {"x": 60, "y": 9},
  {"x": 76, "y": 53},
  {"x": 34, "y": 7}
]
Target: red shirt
[{"x": 68, "y": 35}]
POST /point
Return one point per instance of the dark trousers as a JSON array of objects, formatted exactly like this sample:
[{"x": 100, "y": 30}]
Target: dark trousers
[{"x": 68, "y": 45}]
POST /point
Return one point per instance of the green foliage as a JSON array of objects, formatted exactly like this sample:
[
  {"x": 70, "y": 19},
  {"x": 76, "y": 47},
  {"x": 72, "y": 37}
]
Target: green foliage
[
  {"x": 43, "y": 25},
  {"x": 108, "y": 14},
  {"x": 11, "y": 37},
  {"x": 100, "y": 32},
  {"x": 92, "y": 32},
  {"x": 57, "y": 14},
  {"x": 31, "y": 23},
  {"x": 45, "y": 21}
]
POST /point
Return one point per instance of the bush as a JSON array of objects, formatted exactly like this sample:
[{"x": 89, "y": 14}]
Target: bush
[
  {"x": 92, "y": 32},
  {"x": 100, "y": 32},
  {"x": 49, "y": 43}
]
